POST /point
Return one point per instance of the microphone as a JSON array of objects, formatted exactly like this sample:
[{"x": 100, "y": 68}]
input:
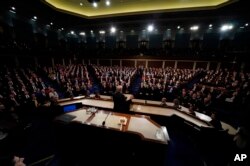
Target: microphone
[{"x": 103, "y": 122}]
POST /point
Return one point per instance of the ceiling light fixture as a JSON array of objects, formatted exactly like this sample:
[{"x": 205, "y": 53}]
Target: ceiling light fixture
[
  {"x": 81, "y": 4},
  {"x": 112, "y": 29},
  {"x": 226, "y": 27},
  {"x": 95, "y": 4},
  {"x": 150, "y": 28},
  {"x": 107, "y": 3},
  {"x": 82, "y": 34},
  {"x": 194, "y": 28}
]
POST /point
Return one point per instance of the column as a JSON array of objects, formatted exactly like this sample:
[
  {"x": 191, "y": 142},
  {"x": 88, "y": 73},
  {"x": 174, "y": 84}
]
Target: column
[
  {"x": 16, "y": 61},
  {"x": 120, "y": 63},
  {"x": 218, "y": 66},
  {"x": 242, "y": 66},
  {"x": 135, "y": 63},
  {"x": 36, "y": 61},
  {"x": 194, "y": 66},
  {"x": 63, "y": 62},
  {"x": 163, "y": 64},
  {"x": 175, "y": 64},
  {"x": 208, "y": 65},
  {"x": 53, "y": 62},
  {"x": 83, "y": 61},
  {"x": 146, "y": 63}
]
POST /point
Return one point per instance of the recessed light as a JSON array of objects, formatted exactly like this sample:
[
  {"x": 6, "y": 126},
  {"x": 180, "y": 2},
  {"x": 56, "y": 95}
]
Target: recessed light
[
  {"x": 13, "y": 8},
  {"x": 35, "y": 17},
  {"x": 82, "y": 34},
  {"x": 102, "y": 32},
  {"x": 51, "y": 23},
  {"x": 246, "y": 24},
  {"x": 150, "y": 28},
  {"x": 95, "y": 4},
  {"x": 112, "y": 29},
  {"x": 107, "y": 3},
  {"x": 178, "y": 27},
  {"x": 81, "y": 4},
  {"x": 194, "y": 28}
]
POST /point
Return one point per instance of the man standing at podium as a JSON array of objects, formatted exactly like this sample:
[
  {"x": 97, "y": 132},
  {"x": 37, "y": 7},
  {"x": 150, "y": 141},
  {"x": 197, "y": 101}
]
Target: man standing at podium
[{"x": 121, "y": 102}]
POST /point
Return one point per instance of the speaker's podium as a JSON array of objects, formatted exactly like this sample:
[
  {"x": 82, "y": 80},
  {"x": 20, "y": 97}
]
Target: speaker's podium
[{"x": 93, "y": 137}]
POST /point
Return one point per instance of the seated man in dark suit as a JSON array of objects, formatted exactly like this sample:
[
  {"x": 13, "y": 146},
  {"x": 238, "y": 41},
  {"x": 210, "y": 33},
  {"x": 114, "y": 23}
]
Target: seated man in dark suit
[
  {"x": 121, "y": 102},
  {"x": 164, "y": 102}
]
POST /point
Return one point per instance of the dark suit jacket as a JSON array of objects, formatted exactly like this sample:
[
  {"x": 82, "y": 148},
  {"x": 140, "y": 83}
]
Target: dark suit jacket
[{"x": 120, "y": 103}]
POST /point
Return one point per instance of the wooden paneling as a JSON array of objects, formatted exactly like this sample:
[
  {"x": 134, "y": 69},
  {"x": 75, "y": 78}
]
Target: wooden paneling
[
  {"x": 202, "y": 65},
  {"x": 44, "y": 61},
  {"x": 128, "y": 63},
  {"x": 93, "y": 61},
  {"x": 226, "y": 65},
  {"x": 213, "y": 66},
  {"x": 141, "y": 63},
  {"x": 58, "y": 60},
  {"x": 157, "y": 64},
  {"x": 115, "y": 62},
  {"x": 169, "y": 64},
  {"x": 104, "y": 62},
  {"x": 26, "y": 61},
  {"x": 185, "y": 65},
  {"x": 7, "y": 60}
]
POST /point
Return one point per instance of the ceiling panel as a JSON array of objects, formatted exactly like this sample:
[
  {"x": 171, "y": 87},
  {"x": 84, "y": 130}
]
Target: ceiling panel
[{"x": 130, "y": 7}]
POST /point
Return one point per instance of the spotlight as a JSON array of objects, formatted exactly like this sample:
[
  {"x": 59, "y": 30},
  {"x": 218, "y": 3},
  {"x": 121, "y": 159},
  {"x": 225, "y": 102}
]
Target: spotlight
[
  {"x": 194, "y": 28},
  {"x": 107, "y": 3},
  {"x": 102, "y": 32},
  {"x": 150, "y": 28},
  {"x": 95, "y": 4},
  {"x": 112, "y": 29},
  {"x": 82, "y": 34},
  {"x": 226, "y": 27}
]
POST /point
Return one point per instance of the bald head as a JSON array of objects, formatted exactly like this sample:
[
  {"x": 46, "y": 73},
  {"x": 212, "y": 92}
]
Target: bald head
[{"x": 119, "y": 88}]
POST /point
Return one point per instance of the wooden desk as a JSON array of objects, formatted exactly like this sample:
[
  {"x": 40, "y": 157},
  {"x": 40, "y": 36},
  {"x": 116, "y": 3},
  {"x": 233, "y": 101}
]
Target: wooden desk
[
  {"x": 141, "y": 125},
  {"x": 138, "y": 106},
  {"x": 151, "y": 108}
]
